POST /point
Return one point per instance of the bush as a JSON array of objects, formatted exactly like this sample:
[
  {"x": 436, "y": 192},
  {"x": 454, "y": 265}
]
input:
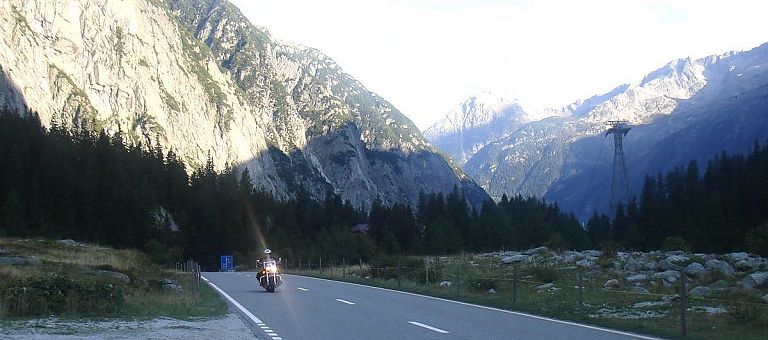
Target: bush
[
  {"x": 673, "y": 243},
  {"x": 56, "y": 294},
  {"x": 757, "y": 240},
  {"x": 546, "y": 274}
]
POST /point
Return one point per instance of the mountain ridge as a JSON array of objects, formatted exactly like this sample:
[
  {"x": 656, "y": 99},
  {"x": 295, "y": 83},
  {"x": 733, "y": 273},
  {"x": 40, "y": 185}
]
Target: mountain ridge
[
  {"x": 197, "y": 77},
  {"x": 566, "y": 158}
]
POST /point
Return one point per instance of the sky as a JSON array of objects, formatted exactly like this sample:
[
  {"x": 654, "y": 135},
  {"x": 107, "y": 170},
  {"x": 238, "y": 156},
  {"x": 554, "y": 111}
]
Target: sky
[{"x": 426, "y": 56}]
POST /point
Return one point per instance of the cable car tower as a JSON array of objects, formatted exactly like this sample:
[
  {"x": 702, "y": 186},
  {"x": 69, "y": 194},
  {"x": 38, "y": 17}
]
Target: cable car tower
[{"x": 619, "y": 176}]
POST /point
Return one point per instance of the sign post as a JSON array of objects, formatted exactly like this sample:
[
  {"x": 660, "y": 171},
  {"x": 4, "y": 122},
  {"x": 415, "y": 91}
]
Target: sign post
[{"x": 226, "y": 263}]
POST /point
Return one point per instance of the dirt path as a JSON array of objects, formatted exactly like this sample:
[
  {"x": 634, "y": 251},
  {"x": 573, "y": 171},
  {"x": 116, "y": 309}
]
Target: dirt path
[{"x": 227, "y": 327}]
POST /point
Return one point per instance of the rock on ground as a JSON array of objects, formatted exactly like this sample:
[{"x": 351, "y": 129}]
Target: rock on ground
[
  {"x": 612, "y": 283},
  {"x": 720, "y": 266},
  {"x": 637, "y": 278},
  {"x": 545, "y": 286},
  {"x": 754, "y": 279},
  {"x": 695, "y": 269},
  {"x": 114, "y": 275},
  {"x": 514, "y": 258},
  {"x": 700, "y": 291}
]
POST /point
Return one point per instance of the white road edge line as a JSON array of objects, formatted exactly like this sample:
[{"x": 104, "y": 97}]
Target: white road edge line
[
  {"x": 237, "y": 304},
  {"x": 303, "y": 289},
  {"x": 429, "y": 327},
  {"x": 345, "y": 301},
  {"x": 493, "y": 309}
]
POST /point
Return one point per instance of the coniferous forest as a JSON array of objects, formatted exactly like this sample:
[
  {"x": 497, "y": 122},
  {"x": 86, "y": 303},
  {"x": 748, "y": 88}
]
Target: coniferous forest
[{"x": 75, "y": 183}]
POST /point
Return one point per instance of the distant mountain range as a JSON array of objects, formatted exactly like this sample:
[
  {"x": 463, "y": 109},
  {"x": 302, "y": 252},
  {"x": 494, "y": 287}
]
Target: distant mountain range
[
  {"x": 686, "y": 110},
  {"x": 197, "y": 77}
]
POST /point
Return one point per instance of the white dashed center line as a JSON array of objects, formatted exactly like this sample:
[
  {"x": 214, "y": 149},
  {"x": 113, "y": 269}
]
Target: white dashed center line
[
  {"x": 428, "y": 327},
  {"x": 303, "y": 289},
  {"x": 345, "y": 301}
]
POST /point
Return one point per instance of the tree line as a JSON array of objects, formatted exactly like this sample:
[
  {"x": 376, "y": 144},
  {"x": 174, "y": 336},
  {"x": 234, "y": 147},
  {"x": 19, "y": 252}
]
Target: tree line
[
  {"x": 725, "y": 208},
  {"x": 77, "y": 183},
  {"x": 90, "y": 186}
]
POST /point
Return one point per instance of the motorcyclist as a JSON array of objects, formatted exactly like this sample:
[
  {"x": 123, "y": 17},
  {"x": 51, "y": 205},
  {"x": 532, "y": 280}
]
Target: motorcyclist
[{"x": 262, "y": 269}]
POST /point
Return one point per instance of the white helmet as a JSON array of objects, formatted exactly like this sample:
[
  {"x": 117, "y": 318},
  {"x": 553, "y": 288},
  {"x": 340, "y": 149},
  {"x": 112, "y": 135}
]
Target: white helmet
[{"x": 267, "y": 251}]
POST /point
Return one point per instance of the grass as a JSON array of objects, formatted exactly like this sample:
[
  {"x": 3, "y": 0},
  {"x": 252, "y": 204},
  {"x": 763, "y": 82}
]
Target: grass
[
  {"x": 65, "y": 282},
  {"x": 745, "y": 317}
]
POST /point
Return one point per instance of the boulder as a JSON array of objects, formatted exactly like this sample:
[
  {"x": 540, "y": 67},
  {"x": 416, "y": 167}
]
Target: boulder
[
  {"x": 445, "y": 284},
  {"x": 748, "y": 265},
  {"x": 720, "y": 267},
  {"x": 114, "y": 275},
  {"x": 491, "y": 291},
  {"x": 19, "y": 261},
  {"x": 765, "y": 298},
  {"x": 695, "y": 269},
  {"x": 171, "y": 286},
  {"x": 754, "y": 279},
  {"x": 700, "y": 291},
  {"x": 720, "y": 284},
  {"x": 612, "y": 283},
  {"x": 585, "y": 263},
  {"x": 672, "y": 262},
  {"x": 592, "y": 253},
  {"x": 515, "y": 259},
  {"x": 4, "y": 251},
  {"x": 539, "y": 250},
  {"x": 637, "y": 278},
  {"x": 572, "y": 256},
  {"x": 545, "y": 286},
  {"x": 668, "y": 277},
  {"x": 638, "y": 289},
  {"x": 736, "y": 257},
  {"x": 71, "y": 243},
  {"x": 633, "y": 265}
]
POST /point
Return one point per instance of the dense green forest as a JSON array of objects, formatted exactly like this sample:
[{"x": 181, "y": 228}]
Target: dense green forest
[
  {"x": 74, "y": 183},
  {"x": 725, "y": 209}
]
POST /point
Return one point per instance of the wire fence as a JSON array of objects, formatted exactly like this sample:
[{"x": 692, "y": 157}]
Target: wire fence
[
  {"x": 194, "y": 270},
  {"x": 670, "y": 304}
]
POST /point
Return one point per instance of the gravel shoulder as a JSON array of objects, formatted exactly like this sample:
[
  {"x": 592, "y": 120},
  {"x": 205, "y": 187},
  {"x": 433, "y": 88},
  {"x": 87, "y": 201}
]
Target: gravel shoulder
[{"x": 229, "y": 326}]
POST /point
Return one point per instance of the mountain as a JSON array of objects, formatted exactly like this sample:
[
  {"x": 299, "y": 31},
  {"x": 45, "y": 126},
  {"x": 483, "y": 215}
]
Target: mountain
[
  {"x": 474, "y": 123},
  {"x": 686, "y": 110},
  {"x": 196, "y": 77}
]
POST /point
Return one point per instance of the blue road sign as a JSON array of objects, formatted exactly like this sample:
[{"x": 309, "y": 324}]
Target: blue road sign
[{"x": 226, "y": 263}]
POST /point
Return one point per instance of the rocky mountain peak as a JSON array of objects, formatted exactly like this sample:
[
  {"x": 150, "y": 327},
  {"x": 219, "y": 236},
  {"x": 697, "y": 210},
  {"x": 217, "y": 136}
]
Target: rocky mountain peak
[{"x": 687, "y": 109}]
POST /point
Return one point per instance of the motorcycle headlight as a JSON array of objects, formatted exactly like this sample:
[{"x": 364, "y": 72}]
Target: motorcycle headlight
[{"x": 272, "y": 269}]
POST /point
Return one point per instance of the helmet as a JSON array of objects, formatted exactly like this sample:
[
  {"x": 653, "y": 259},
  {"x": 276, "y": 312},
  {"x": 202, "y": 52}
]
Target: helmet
[{"x": 267, "y": 251}]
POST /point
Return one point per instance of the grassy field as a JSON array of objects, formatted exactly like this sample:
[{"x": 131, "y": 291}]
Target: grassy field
[
  {"x": 78, "y": 280},
  {"x": 656, "y": 312}
]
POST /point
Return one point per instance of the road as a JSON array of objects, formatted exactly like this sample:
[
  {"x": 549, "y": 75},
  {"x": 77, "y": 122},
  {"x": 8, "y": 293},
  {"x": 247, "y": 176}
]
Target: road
[{"x": 311, "y": 308}]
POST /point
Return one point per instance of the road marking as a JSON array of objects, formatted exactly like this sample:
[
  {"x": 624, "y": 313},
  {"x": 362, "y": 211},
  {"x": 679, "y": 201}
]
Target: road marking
[
  {"x": 303, "y": 289},
  {"x": 234, "y": 302},
  {"x": 491, "y": 308},
  {"x": 428, "y": 327},
  {"x": 247, "y": 313},
  {"x": 345, "y": 301}
]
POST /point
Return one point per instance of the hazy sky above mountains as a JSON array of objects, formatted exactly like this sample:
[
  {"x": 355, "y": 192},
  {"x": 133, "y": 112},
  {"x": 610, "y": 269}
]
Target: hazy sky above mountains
[{"x": 426, "y": 56}]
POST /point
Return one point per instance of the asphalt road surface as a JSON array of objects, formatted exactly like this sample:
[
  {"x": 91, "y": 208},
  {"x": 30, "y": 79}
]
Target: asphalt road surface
[{"x": 310, "y": 308}]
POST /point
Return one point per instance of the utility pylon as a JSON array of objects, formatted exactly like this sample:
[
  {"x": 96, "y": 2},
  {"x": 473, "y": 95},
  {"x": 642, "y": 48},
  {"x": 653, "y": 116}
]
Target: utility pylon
[{"x": 619, "y": 176}]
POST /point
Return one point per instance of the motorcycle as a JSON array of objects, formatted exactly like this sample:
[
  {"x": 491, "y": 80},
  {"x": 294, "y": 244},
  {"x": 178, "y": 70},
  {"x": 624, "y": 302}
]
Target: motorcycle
[{"x": 269, "y": 275}]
